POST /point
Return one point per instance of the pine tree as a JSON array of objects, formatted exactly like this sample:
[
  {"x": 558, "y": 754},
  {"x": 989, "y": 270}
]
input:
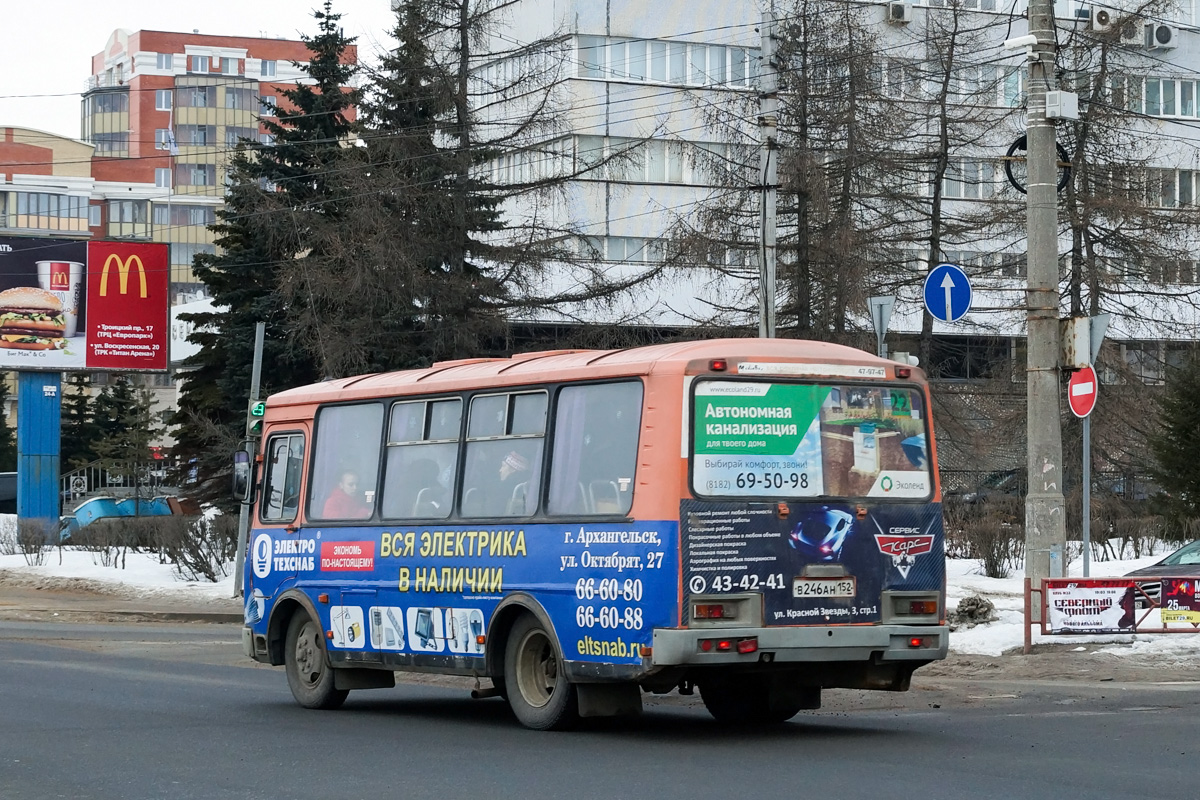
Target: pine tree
[
  {"x": 259, "y": 236},
  {"x": 124, "y": 414},
  {"x": 79, "y": 429},
  {"x": 1176, "y": 442},
  {"x": 8, "y": 435},
  {"x": 425, "y": 255}
]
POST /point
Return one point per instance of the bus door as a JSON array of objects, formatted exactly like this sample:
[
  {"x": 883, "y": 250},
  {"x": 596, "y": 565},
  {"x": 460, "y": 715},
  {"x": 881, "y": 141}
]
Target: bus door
[
  {"x": 277, "y": 555},
  {"x": 812, "y": 503}
]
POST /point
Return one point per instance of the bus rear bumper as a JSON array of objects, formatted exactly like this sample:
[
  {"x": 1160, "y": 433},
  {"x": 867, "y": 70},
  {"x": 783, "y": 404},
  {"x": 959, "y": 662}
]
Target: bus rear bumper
[{"x": 875, "y": 643}]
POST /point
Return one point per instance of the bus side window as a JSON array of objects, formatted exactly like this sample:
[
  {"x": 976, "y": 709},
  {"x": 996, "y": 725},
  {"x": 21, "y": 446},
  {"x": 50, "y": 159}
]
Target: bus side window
[
  {"x": 595, "y": 449},
  {"x": 505, "y": 443},
  {"x": 422, "y": 459},
  {"x": 345, "y": 462},
  {"x": 281, "y": 495}
]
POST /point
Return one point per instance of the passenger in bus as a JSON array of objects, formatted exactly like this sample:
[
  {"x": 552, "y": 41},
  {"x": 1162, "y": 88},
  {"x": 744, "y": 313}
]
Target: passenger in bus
[
  {"x": 514, "y": 478},
  {"x": 345, "y": 501}
]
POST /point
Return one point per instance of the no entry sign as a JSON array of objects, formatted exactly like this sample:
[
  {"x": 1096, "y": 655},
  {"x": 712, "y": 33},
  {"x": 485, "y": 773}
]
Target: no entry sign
[{"x": 1081, "y": 391}]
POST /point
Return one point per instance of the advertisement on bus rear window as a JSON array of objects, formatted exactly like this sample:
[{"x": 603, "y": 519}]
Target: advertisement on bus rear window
[
  {"x": 815, "y": 563},
  {"x": 753, "y": 439}
]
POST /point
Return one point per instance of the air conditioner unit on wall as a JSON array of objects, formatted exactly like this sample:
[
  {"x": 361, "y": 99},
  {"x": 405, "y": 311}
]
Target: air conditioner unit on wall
[
  {"x": 899, "y": 13},
  {"x": 1160, "y": 36},
  {"x": 1104, "y": 20}
]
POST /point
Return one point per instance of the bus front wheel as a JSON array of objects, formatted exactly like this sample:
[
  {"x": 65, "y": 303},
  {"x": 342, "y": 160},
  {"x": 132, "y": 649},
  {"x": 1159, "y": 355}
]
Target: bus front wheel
[
  {"x": 538, "y": 691},
  {"x": 308, "y": 672},
  {"x": 743, "y": 700}
]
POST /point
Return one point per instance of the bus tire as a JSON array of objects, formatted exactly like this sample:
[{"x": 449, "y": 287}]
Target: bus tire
[
  {"x": 538, "y": 691},
  {"x": 747, "y": 700},
  {"x": 309, "y": 675}
]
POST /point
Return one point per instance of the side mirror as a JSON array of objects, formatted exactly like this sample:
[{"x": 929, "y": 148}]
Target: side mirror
[{"x": 243, "y": 475}]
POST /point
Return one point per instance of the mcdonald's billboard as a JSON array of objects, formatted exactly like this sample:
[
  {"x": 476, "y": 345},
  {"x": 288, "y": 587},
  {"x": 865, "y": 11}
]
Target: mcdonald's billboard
[{"x": 73, "y": 305}]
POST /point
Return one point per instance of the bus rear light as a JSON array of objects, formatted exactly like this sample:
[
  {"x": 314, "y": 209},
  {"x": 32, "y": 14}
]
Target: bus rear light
[
  {"x": 714, "y": 611},
  {"x": 923, "y": 607},
  {"x": 481, "y": 639},
  {"x": 718, "y": 365},
  {"x": 328, "y": 634},
  {"x": 747, "y": 646},
  {"x": 706, "y": 645},
  {"x": 916, "y": 641},
  {"x": 903, "y": 372},
  {"x": 724, "y": 645}
]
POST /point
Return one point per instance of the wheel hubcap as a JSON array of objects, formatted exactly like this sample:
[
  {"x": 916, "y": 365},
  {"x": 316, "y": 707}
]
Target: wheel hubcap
[
  {"x": 308, "y": 655},
  {"x": 537, "y": 668}
]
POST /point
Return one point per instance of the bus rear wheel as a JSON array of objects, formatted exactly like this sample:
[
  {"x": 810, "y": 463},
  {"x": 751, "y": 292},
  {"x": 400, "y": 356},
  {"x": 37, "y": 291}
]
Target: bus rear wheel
[
  {"x": 746, "y": 700},
  {"x": 538, "y": 691},
  {"x": 308, "y": 672}
]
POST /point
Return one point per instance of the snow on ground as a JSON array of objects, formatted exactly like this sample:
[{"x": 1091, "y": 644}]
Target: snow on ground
[{"x": 144, "y": 576}]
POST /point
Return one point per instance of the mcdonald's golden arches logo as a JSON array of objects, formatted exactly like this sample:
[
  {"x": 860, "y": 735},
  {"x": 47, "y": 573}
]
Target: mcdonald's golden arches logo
[{"x": 123, "y": 268}]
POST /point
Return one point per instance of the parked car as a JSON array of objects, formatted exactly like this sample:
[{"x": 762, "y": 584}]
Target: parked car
[{"x": 1183, "y": 562}]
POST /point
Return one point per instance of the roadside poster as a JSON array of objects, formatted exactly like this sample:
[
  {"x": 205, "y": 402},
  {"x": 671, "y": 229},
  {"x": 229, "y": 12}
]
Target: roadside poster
[
  {"x": 1080, "y": 605},
  {"x": 74, "y": 305},
  {"x": 1181, "y": 600}
]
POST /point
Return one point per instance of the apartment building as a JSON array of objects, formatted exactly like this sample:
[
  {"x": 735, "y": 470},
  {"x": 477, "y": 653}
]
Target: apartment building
[
  {"x": 164, "y": 111},
  {"x": 644, "y": 80}
]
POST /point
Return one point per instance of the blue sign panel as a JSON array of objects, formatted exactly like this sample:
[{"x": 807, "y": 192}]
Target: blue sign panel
[{"x": 947, "y": 293}]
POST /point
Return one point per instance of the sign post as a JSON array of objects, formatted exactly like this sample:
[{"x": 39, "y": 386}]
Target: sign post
[
  {"x": 1081, "y": 396},
  {"x": 881, "y": 314},
  {"x": 255, "y": 411},
  {"x": 947, "y": 293}
]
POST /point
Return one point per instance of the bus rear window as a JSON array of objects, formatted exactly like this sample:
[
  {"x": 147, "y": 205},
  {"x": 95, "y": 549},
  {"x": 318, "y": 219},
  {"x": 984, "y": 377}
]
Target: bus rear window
[{"x": 789, "y": 440}]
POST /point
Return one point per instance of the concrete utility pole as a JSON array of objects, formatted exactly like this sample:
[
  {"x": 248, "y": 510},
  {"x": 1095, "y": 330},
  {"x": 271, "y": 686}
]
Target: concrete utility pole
[
  {"x": 768, "y": 123},
  {"x": 1045, "y": 523}
]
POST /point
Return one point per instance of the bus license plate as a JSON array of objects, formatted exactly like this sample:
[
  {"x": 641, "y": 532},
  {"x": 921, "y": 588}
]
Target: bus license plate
[{"x": 823, "y": 587}]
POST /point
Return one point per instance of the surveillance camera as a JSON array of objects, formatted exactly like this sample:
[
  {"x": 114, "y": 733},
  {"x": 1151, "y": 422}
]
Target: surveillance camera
[{"x": 1020, "y": 42}]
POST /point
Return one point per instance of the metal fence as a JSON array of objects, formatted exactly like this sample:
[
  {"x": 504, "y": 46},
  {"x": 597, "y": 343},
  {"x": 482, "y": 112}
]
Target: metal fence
[{"x": 114, "y": 479}]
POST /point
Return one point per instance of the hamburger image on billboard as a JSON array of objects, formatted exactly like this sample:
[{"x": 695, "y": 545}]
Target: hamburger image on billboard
[
  {"x": 42, "y": 304},
  {"x": 31, "y": 319}
]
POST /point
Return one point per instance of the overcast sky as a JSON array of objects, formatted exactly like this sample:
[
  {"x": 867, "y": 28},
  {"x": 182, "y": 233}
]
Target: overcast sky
[{"x": 49, "y": 44}]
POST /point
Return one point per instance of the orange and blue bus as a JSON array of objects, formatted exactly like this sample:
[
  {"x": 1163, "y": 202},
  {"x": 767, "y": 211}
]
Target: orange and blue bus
[{"x": 758, "y": 519}]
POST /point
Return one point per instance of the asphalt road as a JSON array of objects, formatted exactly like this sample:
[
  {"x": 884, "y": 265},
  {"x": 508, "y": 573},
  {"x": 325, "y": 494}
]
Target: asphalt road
[{"x": 158, "y": 711}]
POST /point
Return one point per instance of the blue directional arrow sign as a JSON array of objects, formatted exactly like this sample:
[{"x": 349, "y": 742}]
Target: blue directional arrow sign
[{"x": 947, "y": 293}]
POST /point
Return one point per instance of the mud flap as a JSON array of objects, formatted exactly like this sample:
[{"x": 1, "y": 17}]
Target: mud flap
[
  {"x": 363, "y": 679},
  {"x": 609, "y": 699}
]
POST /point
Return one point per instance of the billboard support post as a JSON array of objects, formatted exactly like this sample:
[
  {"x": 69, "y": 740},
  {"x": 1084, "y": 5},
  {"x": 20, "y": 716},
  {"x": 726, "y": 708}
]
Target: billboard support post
[{"x": 39, "y": 403}]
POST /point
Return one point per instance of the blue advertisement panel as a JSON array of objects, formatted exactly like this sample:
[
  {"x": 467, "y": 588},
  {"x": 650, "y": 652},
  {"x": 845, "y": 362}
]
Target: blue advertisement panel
[
  {"x": 815, "y": 563},
  {"x": 433, "y": 589}
]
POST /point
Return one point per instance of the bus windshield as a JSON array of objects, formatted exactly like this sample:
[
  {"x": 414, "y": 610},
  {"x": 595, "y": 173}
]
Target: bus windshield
[{"x": 796, "y": 440}]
